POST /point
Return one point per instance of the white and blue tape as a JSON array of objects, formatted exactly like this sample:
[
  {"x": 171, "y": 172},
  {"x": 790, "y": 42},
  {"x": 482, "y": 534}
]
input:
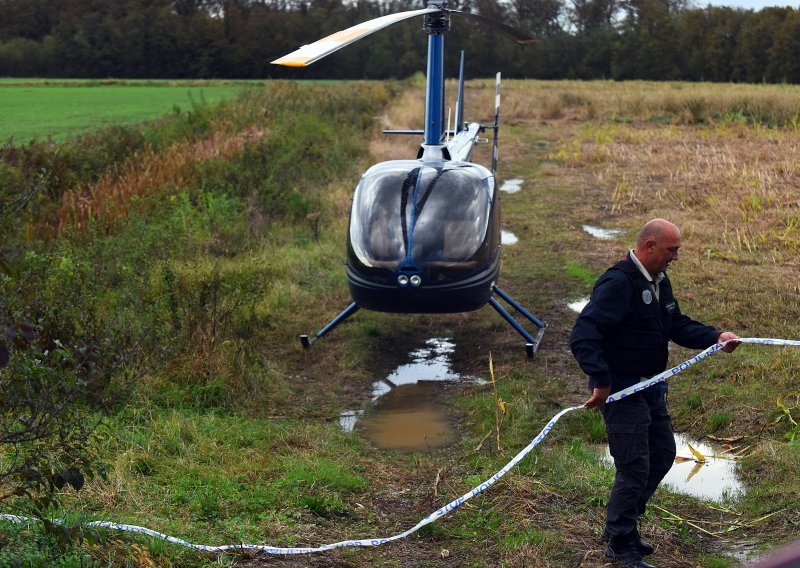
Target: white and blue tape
[{"x": 447, "y": 508}]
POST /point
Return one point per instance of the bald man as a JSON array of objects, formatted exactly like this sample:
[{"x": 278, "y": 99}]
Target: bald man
[{"x": 619, "y": 339}]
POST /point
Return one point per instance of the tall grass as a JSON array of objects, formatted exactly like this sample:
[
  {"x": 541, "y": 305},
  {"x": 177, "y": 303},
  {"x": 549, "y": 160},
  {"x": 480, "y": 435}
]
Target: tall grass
[
  {"x": 185, "y": 257},
  {"x": 676, "y": 103},
  {"x": 723, "y": 152}
]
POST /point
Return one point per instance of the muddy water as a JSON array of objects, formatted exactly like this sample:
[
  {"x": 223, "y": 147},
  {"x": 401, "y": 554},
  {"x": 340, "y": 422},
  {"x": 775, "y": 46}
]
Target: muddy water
[
  {"x": 511, "y": 185},
  {"x": 411, "y": 407},
  {"x": 712, "y": 480},
  {"x": 411, "y": 417},
  {"x": 598, "y": 233},
  {"x": 508, "y": 238},
  {"x": 603, "y": 234},
  {"x": 578, "y": 305}
]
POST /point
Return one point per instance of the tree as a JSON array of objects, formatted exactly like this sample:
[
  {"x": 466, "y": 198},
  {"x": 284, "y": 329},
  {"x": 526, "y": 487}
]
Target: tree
[
  {"x": 590, "y": 15},
  {"x": 649, "y": 43},
  {"x": 538, "y": 17},
  {"x": 784, "y": 55},
  {"x": 757, "y": 36}
]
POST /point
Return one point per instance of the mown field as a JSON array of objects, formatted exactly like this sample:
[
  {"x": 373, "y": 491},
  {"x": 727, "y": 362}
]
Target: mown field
[
  {"x": 177, "y": 264},
  {"x": 37, "y": 109}
]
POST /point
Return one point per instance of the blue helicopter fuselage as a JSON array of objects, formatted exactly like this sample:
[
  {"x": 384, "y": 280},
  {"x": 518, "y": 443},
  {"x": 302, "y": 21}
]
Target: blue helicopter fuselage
[{"x": 424, "y": 234}]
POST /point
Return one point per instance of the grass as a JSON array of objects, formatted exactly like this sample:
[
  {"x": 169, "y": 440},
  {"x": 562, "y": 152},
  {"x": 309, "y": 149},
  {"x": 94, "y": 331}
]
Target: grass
[
  {"x": 231, "y": 432},
  {"x": 56, "y": 110}
]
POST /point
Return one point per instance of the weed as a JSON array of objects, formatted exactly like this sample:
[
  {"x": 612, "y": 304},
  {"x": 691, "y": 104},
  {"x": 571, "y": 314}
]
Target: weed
[
  {"x": 576, "y": 270},
  {"x": 694, "y": 401},
  {"x": 793, "y": 435},
  {"x": 719, "y": 420},
  {"x": 594, "y": 425},
  {"x": 696, "y": 110},
  {"x": 715, "y": 562}
]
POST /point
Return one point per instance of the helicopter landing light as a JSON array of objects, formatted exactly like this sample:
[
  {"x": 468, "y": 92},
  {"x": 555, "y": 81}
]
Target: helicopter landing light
[
  {"x": 402, "y": 280},
  {"x": 415, "y": 281}
]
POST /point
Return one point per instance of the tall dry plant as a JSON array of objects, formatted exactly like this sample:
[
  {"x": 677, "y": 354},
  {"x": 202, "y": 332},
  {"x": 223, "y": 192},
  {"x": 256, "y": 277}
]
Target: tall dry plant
[
  {"x": 148, "y": 173},
  {"x": 722, "y": 153}
]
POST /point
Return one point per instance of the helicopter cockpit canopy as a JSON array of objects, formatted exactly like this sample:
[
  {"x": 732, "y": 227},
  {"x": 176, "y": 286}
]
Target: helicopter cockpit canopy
[{"x": 433, "y": 219}]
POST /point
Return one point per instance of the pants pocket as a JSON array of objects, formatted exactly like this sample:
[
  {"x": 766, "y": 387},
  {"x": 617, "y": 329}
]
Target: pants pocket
[{"x": 626, "y": 442}]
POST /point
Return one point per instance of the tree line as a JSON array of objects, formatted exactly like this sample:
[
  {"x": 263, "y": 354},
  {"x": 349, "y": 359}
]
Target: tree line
[{"x": 576, "y": 39}]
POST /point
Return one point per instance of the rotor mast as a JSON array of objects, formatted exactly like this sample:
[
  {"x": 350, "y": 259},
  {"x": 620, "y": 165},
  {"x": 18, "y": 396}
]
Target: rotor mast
[{"x": 435, "y": 25}]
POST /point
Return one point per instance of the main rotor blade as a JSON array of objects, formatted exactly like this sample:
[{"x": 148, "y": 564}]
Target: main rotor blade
[
  {"x": 513, "y": 33},
  {"x": 312, "y": 52}
]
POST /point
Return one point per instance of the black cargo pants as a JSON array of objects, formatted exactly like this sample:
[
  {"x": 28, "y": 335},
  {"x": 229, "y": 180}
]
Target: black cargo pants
[{"x": 642, "y": 443}]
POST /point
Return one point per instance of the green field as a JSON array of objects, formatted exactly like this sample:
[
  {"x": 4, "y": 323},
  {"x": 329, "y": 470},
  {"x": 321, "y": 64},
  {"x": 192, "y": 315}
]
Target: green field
[
  {"x": 36, "y": 109},
  {"x": 168, "y": 270}
]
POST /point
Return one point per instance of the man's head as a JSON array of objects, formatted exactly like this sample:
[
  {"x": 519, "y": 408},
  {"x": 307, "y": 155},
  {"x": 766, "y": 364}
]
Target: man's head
[{"x": 657, "y": 245}]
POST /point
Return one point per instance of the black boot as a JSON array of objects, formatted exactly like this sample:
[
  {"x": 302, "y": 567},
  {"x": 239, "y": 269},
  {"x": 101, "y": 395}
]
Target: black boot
[
  {"x": 626, "y": 553},
  {"x": 645, "y": 548}
]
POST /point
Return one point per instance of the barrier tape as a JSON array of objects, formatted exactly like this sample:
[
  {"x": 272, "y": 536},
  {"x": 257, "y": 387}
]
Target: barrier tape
[{"x": 450, "y": 506}]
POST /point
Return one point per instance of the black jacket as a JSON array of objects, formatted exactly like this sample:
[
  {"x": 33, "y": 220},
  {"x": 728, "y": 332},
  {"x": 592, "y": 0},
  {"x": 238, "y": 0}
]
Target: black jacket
[{"x": 622, "y": 334}]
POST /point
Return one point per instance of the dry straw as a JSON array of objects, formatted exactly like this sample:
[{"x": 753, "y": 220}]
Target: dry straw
[{"x": 108, "y": 201}]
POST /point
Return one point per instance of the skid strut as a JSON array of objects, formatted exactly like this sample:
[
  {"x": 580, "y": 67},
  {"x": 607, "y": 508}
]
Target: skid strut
[
  {"x": 531, "y": 343},
  {"x": 346, "y": 313}
]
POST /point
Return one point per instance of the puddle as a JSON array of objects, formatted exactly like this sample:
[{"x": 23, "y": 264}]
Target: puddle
[
  {"x": 412, "y": 417},
  {"x": 511, "y": 185},
  {"x": 411, "y": 407},
  {"x": 743, "y": 551},
  {"x": 713, "y": 480},
  {"x": 604, "y": 234},
  {"x": 578, "y": 305},
  {"x": 508, "y": 238},
  {"x": 348, "y": 419}
]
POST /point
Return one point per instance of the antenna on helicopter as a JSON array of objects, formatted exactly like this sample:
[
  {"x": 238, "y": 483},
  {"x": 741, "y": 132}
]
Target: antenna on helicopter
[
  {"x": 496, "y": 123},
  {"x": 460, "y": 97}
]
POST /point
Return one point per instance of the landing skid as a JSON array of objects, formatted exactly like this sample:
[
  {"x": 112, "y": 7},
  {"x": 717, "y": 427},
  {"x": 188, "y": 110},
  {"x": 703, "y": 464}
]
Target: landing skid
[
  {"x": 346, "y": 313},
  {"x": 531, "y": 342}
]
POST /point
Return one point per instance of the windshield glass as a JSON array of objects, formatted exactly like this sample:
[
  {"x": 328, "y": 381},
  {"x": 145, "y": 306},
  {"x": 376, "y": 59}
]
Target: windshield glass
[{"x": 408, "y": 215}]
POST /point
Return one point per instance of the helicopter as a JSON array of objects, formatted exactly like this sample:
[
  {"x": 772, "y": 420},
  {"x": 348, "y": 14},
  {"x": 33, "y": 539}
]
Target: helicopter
[{"x": 424, "y": 233}]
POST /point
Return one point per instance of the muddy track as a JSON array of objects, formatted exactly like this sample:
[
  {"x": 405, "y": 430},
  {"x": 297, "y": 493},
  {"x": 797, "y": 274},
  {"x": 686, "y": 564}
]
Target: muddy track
[{"x": 547, "y": 215}]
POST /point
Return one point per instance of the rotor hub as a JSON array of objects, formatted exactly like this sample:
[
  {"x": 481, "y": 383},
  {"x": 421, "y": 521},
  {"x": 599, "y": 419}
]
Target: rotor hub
[{"x": 437, "y": 23}]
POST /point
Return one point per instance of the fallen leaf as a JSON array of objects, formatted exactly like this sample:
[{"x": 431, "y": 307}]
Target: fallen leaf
[{"x": 700, "y": 457}]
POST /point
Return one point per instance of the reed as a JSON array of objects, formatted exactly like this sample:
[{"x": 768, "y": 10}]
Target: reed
[{"x": 148, "y": 173}]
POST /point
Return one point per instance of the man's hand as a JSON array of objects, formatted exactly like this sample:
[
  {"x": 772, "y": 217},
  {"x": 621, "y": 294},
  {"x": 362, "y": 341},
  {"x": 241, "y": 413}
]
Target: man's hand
[
  {"x": 599, "y": 396},
  {"x": 728, "y": 336}
]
